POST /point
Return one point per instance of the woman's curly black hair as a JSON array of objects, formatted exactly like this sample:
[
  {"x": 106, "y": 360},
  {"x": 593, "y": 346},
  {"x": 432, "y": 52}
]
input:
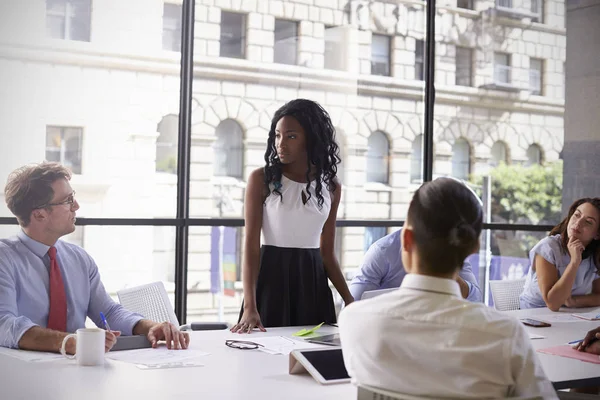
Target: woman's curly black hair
[{"x": 322, "y": 150}]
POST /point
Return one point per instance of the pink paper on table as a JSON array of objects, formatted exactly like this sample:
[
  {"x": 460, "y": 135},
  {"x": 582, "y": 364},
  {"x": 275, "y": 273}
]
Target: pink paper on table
[{"x": 568, "y": 351}]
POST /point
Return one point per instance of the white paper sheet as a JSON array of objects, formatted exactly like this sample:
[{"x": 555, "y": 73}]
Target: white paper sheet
[
  {"x": 282, "y": 345},
  {"x": 558, "y": 317},
  {"x": 31, "y": 356},
  {"x": 159, "y": 358},
  {"x": 534, "y": 336}
]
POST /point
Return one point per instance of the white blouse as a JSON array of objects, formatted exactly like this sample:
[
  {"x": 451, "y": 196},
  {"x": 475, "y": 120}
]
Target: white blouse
[{"x": 288, "y": 222}]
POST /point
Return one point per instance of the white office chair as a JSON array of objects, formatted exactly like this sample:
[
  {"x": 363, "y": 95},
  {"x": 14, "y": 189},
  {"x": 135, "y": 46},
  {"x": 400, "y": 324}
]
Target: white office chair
[
  {"x": 505, "y": 293},
  {"x": 152, "y": 302},
  {"x": 371, "y": 393}
]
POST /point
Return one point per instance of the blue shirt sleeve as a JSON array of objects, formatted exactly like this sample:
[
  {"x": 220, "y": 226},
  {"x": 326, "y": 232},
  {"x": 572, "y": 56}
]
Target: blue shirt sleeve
[
  {"x": 466, "y": 273},
  {"x": 117, "y": 317},
  {"x": 371, "y": 273},
  {"x": 12, "y": 326}
]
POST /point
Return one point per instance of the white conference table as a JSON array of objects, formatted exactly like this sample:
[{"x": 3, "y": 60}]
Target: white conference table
[
  {"x": 244, "y": 374},
  {"x": 227, "y": 374},
  {"x": 563, "y": 372}
]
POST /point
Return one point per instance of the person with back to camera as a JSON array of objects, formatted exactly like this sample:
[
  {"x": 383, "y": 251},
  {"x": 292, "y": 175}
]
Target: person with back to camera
[
  {"x": 564, "y": 265},
  {"x": 293, "y": 200},
  {"x": 424, "y": 339}
]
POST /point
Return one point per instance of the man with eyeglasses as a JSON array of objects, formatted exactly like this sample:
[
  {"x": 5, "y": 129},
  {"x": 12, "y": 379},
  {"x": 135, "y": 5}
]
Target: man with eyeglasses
[{"x": 48, "y": 286}]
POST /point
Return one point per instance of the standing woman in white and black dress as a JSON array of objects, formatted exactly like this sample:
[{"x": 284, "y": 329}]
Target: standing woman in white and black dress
[{"x": 294, "y": 201}]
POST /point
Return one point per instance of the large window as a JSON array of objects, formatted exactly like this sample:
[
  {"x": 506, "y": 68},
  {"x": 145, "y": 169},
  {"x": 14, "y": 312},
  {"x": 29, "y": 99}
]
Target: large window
[
  {"x": 171, "y": 32},
  {"x": 64, "y": 145},
  {"x": 233, "y": 35},
  {"x": 96, "y": 85},
  {"x": 380, "y": 55},
  {"x": 69, "y": 19}
]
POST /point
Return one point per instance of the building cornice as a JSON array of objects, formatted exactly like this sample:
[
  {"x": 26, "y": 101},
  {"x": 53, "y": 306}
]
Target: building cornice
[{"x": 288, "y": 76}]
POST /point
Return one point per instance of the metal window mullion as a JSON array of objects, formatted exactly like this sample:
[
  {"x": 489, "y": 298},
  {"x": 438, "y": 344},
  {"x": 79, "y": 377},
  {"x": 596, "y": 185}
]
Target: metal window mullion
[
  {"x": 429, "y": 76},
  {"x": 183, "y": 159}
]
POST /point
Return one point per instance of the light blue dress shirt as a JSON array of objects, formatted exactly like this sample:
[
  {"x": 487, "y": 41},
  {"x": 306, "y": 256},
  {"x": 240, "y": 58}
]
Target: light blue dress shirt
[
  {"x": 24, "y": 289},
  {"x": 382, "y": 269},
  {"x": 550, "y": 248}
]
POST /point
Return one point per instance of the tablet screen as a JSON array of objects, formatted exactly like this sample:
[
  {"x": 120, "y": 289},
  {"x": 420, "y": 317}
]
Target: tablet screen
[{"x": 330, "y": 363}]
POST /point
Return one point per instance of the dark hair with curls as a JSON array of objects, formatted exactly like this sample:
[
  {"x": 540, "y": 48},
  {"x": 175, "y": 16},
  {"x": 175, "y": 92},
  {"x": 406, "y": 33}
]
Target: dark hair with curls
[
  {"x": 322, "y": 151},
  {"x": 446, "y": 219},
  {"x": 594, "y": 247}
]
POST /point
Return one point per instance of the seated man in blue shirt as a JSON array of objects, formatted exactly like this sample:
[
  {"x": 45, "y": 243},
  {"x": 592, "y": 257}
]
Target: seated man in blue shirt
[
  {"x": 48, "y": 286},
  {"x": 382, "y": 269}
]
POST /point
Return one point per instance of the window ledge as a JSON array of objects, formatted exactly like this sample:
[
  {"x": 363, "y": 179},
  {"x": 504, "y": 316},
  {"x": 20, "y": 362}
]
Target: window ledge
[
  {"x": 227, "y": 181},
  {"x": 377, "y": 187}
]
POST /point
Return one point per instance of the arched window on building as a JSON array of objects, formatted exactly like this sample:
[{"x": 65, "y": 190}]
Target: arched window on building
[
  {"x": 378, "y": 158},
  {"x": 229, "y": 150},
  {"x": 461, "y": 159},
  {"x": 166, "y": 144},
  {"x": 499, "y": 154},
  {"x": 534, "y": 155},
  {"x": 416, "y": 160}
]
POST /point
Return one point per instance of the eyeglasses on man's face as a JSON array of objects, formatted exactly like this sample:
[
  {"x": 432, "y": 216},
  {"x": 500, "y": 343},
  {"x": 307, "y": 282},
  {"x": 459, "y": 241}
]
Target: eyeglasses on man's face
[
  {"x": 70, "y": 201},
  {"x": 242, "y": 344}
]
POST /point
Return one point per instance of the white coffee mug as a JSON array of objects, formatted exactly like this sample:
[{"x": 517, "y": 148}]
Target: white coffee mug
[{"x": 89, "y": 347}]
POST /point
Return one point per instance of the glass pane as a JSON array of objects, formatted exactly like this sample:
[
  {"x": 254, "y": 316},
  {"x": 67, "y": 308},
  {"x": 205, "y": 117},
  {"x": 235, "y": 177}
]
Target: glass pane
[
  {"x": 329, "y": 49},
  {"x": 233, "y": 35},
  {"x": 105, "y": 111},
  {"x": 377, "y": 158},
  {"x": 214, "y": 274},
  {"x": 55, "y": 26},
  {"x": 503, "y": 255},
  {"x": 464, "y": 61},
  {"x": 286, "y": 37},
  {"x": 79, "y": 16},
  {"x": 499, "y": 131},
  {"x": 380, "y": 55},
  {"x": 171, "y": 30}
]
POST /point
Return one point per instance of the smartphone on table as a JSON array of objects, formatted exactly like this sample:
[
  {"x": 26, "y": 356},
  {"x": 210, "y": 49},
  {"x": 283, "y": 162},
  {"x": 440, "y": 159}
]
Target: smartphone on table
[{"x": 535, "y": 323}]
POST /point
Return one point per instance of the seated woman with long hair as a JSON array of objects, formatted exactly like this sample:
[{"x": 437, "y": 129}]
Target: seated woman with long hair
[{"x": 564, "y": 266}]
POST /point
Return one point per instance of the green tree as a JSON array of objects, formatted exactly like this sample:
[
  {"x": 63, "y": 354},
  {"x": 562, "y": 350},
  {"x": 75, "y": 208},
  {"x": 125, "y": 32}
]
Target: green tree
[{"x": 526, "y": 194}]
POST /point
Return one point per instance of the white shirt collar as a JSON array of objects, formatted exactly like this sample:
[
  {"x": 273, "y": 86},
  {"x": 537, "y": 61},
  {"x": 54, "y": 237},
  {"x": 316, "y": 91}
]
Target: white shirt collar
[{"x": 431, "y": 284}]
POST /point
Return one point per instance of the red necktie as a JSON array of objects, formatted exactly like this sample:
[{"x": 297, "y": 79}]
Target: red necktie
[{"x": 57, "y": 316}]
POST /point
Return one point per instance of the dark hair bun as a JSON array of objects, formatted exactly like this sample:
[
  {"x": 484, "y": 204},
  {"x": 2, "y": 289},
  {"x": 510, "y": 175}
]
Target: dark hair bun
[{"x": 462, "y": 234}]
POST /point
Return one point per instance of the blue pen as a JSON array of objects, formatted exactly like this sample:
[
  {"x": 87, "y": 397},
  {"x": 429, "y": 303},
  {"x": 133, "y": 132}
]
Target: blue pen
[
  {"x": 104, "y": 321},
  {"x": 576, "y": 341}
]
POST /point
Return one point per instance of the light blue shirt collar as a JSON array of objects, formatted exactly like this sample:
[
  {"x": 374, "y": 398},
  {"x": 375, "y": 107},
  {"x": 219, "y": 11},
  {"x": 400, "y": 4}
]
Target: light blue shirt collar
[{"x": 37, "y": 248}]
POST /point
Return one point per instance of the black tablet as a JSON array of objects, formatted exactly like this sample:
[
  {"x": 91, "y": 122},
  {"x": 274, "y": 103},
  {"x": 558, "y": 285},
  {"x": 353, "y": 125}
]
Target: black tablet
[{"x": 325, "y": 365}]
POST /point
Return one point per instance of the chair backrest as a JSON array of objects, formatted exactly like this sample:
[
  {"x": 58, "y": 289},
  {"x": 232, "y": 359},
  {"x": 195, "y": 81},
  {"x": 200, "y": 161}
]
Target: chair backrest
[
  {"x": 369, "y": 294},
  {"x": 150, "y": 300},
  {"x": 371, "y": 393},
  {"x": 505, "y": 293}
]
